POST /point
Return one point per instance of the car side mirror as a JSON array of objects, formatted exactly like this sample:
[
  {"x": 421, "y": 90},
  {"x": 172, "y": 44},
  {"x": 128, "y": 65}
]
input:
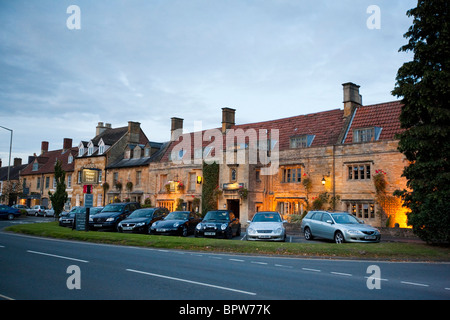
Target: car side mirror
[
  {"x": 329, "y": 221},
  {"x": 248, "y": 221},
  {"x": 285, "y": 221}
]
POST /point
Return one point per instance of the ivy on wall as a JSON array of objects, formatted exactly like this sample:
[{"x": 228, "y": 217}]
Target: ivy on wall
[{"x": 210, "y": 183}]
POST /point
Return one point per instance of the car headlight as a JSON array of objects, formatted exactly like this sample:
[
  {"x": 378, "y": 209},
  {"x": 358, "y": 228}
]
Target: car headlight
[
  {"x": 140, "y": 224},
  {"x": 223, "y": 226},
  {"x": 251, "y": 231},
  {"x": 109, "y": 219},
  {"x": 176, "y": 224},
  {"x": 91, "y": 219},
  {"x": 198, "y": 227},
  {"x": 278, "y": 231},
  {"x": 354, "y": 232}
]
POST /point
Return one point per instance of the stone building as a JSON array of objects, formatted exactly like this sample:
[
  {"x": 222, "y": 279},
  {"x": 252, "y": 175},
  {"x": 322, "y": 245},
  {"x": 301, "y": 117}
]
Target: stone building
[
  {"x": 38, "y": 177},
  {"x": 94, "y": 156},
  {"x": 326, "y": 160}
]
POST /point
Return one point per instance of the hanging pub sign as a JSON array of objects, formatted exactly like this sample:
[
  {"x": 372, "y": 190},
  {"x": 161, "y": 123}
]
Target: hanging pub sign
[{"x": 90, "y": 176}]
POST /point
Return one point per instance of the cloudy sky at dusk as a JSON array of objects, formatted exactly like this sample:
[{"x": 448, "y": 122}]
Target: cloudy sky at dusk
[{"x": 150, "y": 60}]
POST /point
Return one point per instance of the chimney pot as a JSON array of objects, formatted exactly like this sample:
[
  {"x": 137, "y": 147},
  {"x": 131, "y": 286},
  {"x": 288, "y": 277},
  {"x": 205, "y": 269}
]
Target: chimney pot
[
  {"x": 352, "y": 98},
  {"x": 44, "y": 147},
  {"x": 176, "y": 128},
  {"x": 228, "y": 118}
]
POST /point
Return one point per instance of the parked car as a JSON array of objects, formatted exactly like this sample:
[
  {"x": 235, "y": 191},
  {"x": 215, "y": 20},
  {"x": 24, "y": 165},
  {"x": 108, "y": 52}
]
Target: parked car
[
  {"x": 181, "y": 223},
  {"x": 141, "y": 220},
  {"x": 338, "y": 226},
  {"x": 111, "y": 215},
  {"x": 39, "y": 210},
  {"x": 6, "y": 212},
  {"x": 267, "y": 225},
  {"x": 66, "y": 218},
  {"x": 218, "y": 223}
]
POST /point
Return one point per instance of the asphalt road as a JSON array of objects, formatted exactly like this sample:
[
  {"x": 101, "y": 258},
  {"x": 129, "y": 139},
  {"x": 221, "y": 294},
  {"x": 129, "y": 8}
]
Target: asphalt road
[{"x": 38, "y": 268}]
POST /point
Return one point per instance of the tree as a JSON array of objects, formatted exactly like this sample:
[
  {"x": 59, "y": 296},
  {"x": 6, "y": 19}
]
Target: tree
[
  {"x": 424, "y": 85},
  {"x": 59, "y": 198}
]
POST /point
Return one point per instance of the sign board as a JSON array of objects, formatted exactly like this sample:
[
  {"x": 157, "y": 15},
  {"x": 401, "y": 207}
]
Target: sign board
[
  {"x": 88, "y": 200},
  {"x": 90, "y": 176},
  {"x": 80, "y": 221}
]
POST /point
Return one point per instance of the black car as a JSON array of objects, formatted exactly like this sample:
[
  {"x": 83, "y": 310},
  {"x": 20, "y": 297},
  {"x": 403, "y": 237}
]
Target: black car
[
  {"x": 141, "y": 220},
  {"x": 8, "y": 213},
  {"x": 67, "y": 218},
  {"x": 180, "y": 223},
  {"x": 219, "y": 223},
  {"x": 111, "y": 215}
]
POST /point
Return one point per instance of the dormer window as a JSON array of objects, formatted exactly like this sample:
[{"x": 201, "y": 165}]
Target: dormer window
[
  {"x": 90, "y": 148},
  {"x": 101, "y": 147},
  {"x": 70, "y": 159},
  {"x": 302, "y": 141},
  {"x": 81, "y": 149},
  {"x": 35, "y": 166},
  {"x": 366, "y": 134}
]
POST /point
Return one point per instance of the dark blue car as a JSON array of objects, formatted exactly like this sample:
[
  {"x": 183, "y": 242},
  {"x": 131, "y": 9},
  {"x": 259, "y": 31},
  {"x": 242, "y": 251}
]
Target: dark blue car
[{"x": 6, "y": 212}]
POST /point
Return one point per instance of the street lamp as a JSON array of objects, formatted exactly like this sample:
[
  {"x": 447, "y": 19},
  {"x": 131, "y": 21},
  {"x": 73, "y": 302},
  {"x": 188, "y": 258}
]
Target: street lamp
[{"x": 10, "y": 148}]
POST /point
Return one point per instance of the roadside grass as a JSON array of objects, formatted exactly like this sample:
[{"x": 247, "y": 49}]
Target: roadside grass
[{"x": 383, "y": 250}]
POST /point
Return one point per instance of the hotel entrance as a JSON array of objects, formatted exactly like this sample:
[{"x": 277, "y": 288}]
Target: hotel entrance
[{"x": 233, "y": 205}]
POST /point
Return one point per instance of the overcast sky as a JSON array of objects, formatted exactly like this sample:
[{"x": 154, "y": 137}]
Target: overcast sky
[{"x": 150, "y": 60}]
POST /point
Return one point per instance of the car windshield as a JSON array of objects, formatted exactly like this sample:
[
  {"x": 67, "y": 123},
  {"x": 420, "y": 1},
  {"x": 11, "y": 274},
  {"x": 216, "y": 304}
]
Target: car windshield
[
  {"x": 113, "y": 208},
  {"x": 267, "y": 217},
  {"x": 217, "y": 215},
  {"x": 345, "y": 218},
  {"x": 142, "y": 213},
  {"x": 79, "y": 210},
  {"x": 177, "y": 215}
]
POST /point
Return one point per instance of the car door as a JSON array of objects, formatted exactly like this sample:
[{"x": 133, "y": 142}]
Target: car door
[
  {"x": 327, "y": 226},
  {"x": 315, "y": 224}
]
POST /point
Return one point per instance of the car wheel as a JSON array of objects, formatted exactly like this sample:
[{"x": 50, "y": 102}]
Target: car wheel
[
  {"x": 308, "y": 234},
  {"x": 339, "y": 237},
  {"x": 10, "y": 216},
  {"x": 184, "y": 232}
]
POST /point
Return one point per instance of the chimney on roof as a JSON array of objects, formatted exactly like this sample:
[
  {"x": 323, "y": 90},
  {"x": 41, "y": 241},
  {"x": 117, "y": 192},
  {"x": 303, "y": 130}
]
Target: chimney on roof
[
  {"x": 352, "y": 98},
  {"x": 176, "y": 128},
  {"x": 44, "y": 147},
  {"x": 102, "y": 128},
  {"x": 134, "y": 130},
  {"x": 17, "y": 162},
  {"x": 228, "y": 118},
  {"x": 67, "y": 144}
]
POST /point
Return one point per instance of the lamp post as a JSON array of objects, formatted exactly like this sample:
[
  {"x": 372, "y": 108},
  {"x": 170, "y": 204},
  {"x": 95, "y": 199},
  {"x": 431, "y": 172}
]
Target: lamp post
[{"x": 10, "y": 148}]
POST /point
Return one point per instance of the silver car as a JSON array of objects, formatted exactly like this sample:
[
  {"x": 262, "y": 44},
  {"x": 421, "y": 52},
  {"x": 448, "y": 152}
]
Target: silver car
[
  {"x": 338, "y": 226},
  {"x": 267, "y": 225}
]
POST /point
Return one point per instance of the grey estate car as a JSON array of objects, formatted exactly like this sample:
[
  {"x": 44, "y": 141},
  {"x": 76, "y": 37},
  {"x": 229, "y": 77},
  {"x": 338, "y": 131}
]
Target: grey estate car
[{"x": 338, "y": 226}]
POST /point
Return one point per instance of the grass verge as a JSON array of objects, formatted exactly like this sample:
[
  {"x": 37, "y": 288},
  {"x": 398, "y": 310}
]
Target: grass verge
[{"x": 389, "y": 251}]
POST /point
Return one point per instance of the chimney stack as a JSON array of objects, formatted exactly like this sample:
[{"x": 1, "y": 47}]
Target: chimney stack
[
  {"x": 228, "y": 119},
  {"x": 44, "y": 147},
  {"x": 352, "y": 98},
  {"x": 17, "y": 162},
  {"x": 176, "y": 128},
  {"x": 67, "y": 144},
  {"x": 102, "y": 128},
  {"x": 134, "y": 130}
]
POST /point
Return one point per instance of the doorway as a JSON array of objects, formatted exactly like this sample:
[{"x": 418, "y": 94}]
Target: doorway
[{"x": 233, "y": 205}]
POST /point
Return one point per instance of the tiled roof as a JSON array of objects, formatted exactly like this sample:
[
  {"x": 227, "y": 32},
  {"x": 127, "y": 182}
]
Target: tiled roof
[
  {"x": 48, "y": 159},
  {"x": 383, "y": 115},
  {"x": 325, "y": 126}
]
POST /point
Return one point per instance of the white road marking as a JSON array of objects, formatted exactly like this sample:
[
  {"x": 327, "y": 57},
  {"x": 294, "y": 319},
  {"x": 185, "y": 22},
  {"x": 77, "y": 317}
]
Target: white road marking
[
  {"x": 56, "y": 256},
  {"x": 313, "y": 270},
  {"x": 6, "y": 297},
  {"x": 193, "y": 282},
  {"x": 257, "y": 262},
  {"x": 415, "y": 284},
  {"x": 342, "y": 274},
  {"x": 238, "y": 260}
]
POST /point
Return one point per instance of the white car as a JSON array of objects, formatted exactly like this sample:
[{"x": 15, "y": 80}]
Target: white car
[
  {"x": 39, "y": 210},
  {"x": 266, "y": 225}
]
